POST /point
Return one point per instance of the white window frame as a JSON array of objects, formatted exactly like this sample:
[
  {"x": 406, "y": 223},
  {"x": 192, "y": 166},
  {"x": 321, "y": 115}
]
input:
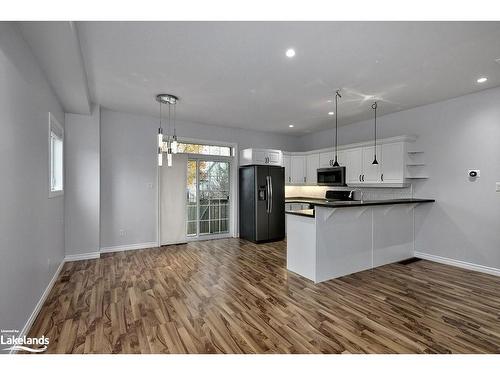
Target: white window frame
[{"x": 56, "y": 128}]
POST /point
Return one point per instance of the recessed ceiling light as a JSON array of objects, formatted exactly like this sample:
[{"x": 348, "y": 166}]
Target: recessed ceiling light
[
  {"x": 482, "y": 80},
  {"x": 331, "y": 113},
  {"x": 290, "y": 52},
  {"x": 291, "y": 126}
]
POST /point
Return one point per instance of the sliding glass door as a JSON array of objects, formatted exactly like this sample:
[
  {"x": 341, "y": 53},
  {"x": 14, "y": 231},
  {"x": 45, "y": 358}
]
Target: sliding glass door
[{"x": 208, "y": 197}]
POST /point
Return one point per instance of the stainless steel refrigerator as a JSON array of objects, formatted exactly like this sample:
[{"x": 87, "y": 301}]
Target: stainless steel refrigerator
[{"x": 262, "y": 203}]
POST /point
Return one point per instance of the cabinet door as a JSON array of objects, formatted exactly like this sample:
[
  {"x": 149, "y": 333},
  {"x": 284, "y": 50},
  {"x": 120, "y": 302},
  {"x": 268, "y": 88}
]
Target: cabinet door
[
  {"x": 354, "y": 165},
  {"x": 288, "y": 166},
  {"x": 259, "y": 157},
  {"x": 371, "y": 172},
  {"x": 326, "y": 159},
  {"x": 392, "y": 163},
  {"x": 341, "y": 158},
  {"x": 298, "y": 172},
  {"x": 274, "y": 158},
  {"x": 312, "y": 165}
]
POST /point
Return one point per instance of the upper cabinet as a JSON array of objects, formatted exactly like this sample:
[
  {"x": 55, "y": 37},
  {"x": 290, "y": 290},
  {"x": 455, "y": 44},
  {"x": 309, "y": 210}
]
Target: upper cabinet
[
  {"x": 287, "y": 163},
  {"x": 391, "y": 170},
  {"x": 392, "y": 166},
  {"x": 312, "y": 165},
  {"x": 251, "y": 156},
  {"x": 298, "y": 169}
]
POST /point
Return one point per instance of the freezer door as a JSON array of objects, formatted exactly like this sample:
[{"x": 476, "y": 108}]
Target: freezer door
[
  {"x": 261, "y": 207},
  {"x": 277, "y": 203}
]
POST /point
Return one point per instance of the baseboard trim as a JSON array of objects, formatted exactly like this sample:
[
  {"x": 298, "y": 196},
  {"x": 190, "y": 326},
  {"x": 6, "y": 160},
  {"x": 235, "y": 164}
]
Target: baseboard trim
[
  {"x": 39, "y": 304},
  {"x": 72, "y": 258},
  {"x": 459, "y": 263},
  {"x": 136, "y": 246}
]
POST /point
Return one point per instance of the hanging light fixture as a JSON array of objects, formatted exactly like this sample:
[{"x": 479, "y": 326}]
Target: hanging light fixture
[
  {"x": 374, "y": 107},
  {"x": 170, "y": 144},
  {"x": 337, "y": 96}
]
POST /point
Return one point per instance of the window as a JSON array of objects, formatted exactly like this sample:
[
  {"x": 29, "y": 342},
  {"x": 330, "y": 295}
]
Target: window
[
  {"x": 56, "y": 168},
  {"x": 208, "y": 197},
  {"x": 195, "y": 148}
]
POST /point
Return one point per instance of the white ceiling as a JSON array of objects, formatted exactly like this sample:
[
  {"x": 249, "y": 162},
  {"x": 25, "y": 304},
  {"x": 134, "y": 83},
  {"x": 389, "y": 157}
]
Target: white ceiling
[{"x": 236, "y": 73}]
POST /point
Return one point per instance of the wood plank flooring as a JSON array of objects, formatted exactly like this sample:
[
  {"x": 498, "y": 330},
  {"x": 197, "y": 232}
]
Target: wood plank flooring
[{"x": 232, "y": 296}]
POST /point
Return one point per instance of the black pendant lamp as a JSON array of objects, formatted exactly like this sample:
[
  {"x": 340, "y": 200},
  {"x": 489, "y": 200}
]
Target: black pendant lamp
[
  {"x": 374, "y": 107},
  {"x": 337, "y": 96}
]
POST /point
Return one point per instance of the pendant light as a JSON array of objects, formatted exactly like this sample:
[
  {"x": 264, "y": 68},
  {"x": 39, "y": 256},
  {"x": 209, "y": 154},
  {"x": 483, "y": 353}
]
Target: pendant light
[
  {"x": 170, "y": 144},
  {"x": 374, "y": 107},
  {"x": 337, "y": 96}
]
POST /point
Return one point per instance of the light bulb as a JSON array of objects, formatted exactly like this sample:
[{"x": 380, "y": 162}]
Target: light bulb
[
  {"x": 160, "y": 137},
  {"x": 169, "y": 159},
  {"x": 174, "y": 146},
  {"x": 160, "y": 159}
]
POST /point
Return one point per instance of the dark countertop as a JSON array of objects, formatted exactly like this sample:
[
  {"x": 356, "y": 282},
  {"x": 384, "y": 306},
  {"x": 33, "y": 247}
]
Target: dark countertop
[{"x": 337, "y": 204}]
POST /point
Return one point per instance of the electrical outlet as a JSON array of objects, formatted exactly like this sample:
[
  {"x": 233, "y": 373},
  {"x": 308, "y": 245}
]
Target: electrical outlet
[{"x": 122, "y": 232}]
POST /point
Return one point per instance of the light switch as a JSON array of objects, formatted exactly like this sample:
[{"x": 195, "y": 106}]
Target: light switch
[{"x": 498, "y": 187}]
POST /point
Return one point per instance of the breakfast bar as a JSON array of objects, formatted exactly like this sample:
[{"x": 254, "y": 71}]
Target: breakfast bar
[{"x": 334, "y": 239}]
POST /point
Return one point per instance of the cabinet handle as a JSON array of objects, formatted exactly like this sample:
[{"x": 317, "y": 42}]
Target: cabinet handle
[
  {"x": 359, "y": 178},
  {"x": 304, "y": 179},
  {"x": 382, "y": 177},
  {"x": 363, "y": 179}
]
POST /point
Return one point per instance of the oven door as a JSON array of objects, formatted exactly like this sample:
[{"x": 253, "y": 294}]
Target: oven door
[{"x": 331, "y": 176}]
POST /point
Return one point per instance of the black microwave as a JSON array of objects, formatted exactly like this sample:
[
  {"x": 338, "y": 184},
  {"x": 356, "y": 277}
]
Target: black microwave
[{"x": 331, "y": 176}]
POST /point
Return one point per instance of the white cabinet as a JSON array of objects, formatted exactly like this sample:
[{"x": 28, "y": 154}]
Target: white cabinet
[
  {"x": 326, "y": 159},
  {"x": 287, "y": 163},
  {"x": 370, "y": 172},
  {"x": 312, "y": 165},
  {"x": 354, "y": 165},
  {"x": 298, "y": 169},
  {"x": 261, "y": 157},
  {"x": 392, "y": 163}
]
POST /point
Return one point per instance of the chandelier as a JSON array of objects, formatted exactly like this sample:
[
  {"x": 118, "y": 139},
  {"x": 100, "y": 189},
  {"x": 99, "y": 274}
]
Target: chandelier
[{"x": 167, "y": 143}]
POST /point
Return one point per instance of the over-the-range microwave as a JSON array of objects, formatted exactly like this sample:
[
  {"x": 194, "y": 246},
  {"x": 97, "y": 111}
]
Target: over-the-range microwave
[{"x": 334, "y": 176}]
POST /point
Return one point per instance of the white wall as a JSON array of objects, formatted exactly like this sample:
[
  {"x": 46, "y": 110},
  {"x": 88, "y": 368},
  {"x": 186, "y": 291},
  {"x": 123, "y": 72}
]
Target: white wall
[
  {"x": 129, "y": 174},
  {"x": 31, "y": 224},
  {"x": 82, "y": 168},
  {"x": 456, "y": 135}
]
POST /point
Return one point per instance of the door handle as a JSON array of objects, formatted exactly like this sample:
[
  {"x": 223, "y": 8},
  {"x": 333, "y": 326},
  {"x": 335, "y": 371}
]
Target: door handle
[
  {"x": 268, "y": 194},
  {"x": 271, "y": 192}
]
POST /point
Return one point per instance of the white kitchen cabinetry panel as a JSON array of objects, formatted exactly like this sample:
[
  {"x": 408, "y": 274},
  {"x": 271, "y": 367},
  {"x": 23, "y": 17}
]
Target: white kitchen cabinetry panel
[
  {"x": 392, "y": 234},
  {"x": 370, "y": 172},
  {"x": 298, "y": 169},
  {"x": 354, "y": 165},
  {"x": 288, "y": 166},
  {"x": 326, "y": 159},
  {"x": 312, "y": 165},
  {"x": 261, "y": 157},
  {"x": 392, "y": 163}
]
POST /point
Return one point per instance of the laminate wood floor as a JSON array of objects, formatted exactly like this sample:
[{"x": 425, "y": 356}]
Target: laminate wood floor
[{"x": 232, "y": 296}]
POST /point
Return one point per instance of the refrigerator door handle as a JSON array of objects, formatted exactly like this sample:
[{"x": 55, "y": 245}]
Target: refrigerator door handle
[
  {"x": 268, "y": 194},
  {"x": 271, "y": 192}
]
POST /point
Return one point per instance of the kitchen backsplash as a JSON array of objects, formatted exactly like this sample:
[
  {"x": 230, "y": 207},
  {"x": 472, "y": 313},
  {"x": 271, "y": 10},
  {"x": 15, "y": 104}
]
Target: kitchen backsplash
[{"x": 368, "y": 193}]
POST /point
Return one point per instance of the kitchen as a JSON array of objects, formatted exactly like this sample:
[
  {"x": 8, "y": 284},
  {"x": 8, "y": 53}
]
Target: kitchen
[{"x": 250, "y": 187}]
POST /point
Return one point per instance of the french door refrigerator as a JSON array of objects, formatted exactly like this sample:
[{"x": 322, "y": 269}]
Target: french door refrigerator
[{"x": 262, "y": 203}]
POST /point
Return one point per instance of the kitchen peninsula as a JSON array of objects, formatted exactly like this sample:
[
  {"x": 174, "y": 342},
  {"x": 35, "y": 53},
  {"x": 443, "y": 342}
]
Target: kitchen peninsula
[{"x": 334, "y": 239}]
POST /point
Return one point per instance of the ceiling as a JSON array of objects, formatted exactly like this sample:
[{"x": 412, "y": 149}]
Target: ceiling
[{"x": 236, "y": 74}]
